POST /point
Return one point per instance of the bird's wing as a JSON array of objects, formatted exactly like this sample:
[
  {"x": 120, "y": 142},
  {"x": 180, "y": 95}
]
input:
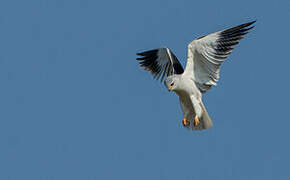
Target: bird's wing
[
  {"x": 160, "y": 62},
  {"x": 206, "y": 54}
]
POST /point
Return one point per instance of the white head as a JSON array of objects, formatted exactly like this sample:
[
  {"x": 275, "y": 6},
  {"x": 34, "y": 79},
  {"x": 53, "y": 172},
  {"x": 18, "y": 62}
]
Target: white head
[{"x": 172, "y": 82}]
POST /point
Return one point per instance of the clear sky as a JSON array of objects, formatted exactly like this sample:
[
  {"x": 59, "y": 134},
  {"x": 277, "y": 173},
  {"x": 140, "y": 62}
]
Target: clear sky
[{"x": 75, "y": 105}]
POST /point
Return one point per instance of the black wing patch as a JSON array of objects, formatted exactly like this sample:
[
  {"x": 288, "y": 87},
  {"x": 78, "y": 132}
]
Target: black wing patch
[
  {"x": 160, "y": 62},
  {"x": 231, "y": 37}
]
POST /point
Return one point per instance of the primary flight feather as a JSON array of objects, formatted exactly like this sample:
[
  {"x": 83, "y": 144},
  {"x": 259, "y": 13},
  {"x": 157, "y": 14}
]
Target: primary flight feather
[{"x": 204, "y": 58}]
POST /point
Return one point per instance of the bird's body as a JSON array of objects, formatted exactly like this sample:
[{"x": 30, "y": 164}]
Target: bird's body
[
  {"x": 205, "y": 56},
  {"x": 190, "y": 99}
]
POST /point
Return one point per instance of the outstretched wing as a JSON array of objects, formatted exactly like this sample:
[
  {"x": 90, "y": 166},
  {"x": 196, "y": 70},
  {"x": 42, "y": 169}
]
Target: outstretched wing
[
  {"x": 160, "y": 62},
  {"x": 206, "y": 54}
]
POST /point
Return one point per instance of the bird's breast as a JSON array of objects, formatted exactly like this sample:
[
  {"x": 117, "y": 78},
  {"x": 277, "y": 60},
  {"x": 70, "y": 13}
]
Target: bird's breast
[{"x": 189, "y": 88}]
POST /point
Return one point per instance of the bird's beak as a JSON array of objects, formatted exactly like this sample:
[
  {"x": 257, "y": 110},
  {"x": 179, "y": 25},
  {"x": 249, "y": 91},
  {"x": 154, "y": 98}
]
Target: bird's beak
[{"x": 170, "y": 88}]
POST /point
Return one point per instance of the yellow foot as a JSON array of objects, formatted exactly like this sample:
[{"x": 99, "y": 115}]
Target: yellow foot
[
  {"x": 196, "y": 121},
  {"x": 185, "y": 122}
]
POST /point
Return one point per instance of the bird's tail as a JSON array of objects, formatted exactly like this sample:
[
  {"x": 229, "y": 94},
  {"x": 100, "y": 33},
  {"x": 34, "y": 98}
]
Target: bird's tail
[{"x": 205, "y": 121}]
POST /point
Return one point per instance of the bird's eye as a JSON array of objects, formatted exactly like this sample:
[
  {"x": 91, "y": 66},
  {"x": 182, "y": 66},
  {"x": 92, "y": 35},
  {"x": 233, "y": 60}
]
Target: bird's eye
[{"x": 171, "y": 84}]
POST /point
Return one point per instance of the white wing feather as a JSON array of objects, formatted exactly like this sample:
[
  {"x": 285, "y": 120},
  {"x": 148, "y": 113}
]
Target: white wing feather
[{"x": 206, "y": 54}]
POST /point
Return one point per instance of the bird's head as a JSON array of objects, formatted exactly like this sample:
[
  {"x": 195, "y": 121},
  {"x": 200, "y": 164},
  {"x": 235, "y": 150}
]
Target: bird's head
[{"x": 171, "y": 82}]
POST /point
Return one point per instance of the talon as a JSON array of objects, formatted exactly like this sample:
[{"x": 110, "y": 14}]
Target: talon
[
  {"x": 196, "y": 121},
  {"x": 185, "y": 122}
]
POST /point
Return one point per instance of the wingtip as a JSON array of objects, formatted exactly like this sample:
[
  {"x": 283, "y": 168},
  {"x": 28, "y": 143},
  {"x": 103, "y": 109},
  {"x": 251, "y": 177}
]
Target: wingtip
[
  {"x": 139, "y": 54},
  {"x": 250, "y": 23},
  {"x": 247, "y": 24}
]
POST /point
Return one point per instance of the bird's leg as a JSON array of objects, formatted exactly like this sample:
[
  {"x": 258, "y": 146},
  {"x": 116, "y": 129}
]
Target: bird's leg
[
  {"x": 185, "y": 122},
  {"x": 197, "y": 109},
  {"x": 196, "y": 121}
]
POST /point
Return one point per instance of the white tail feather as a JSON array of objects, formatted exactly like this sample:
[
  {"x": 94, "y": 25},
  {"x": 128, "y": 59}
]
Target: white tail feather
[{"x": 204, "y": 122}]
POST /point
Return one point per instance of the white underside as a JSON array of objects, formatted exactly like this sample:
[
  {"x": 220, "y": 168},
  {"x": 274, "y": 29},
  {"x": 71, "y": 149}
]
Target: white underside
[{"x": 191, "y": 104}]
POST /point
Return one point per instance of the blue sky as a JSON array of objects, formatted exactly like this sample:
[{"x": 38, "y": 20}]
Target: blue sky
[{"x": 75, "y": 105}]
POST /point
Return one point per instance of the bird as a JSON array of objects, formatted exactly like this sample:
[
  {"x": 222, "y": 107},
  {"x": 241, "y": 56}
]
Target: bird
[{"x": 204, "y": 58}]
